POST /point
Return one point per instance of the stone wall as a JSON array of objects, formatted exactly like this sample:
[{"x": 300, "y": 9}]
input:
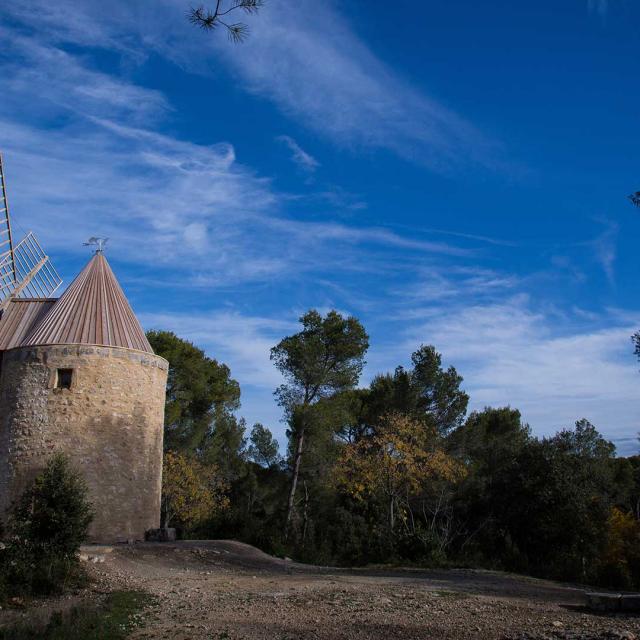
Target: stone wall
[{"x": 110, "y": 423}]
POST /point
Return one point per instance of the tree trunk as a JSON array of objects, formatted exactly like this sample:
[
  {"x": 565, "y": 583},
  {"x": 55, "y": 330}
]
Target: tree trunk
[
  {"x": 294, "y": 483},
  {"x": 305, "y": 513},
  {"x": 164, "y": 514}
]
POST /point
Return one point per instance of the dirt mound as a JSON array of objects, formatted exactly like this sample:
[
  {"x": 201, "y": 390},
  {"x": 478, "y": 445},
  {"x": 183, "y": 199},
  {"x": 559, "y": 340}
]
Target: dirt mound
[
  {"x": 218, "y": 552},
  {"x": 155, "y": 558}
]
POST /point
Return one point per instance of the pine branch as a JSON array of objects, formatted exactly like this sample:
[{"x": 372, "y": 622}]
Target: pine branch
[
  {"x": 635, "y": 198},
  {"x": 208, "y": 19}
]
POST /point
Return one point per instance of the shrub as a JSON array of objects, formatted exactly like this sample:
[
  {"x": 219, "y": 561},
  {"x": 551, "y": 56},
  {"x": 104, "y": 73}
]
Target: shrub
[
  {"x": 191, "y": 491},
  {"x": 46, "y": 527},
  {"x": 620, "y": 564}
]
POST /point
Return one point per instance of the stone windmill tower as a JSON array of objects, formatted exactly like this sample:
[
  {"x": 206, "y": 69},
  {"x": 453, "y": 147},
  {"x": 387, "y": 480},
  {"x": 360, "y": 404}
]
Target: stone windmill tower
[{"x": 78, "y": 376}]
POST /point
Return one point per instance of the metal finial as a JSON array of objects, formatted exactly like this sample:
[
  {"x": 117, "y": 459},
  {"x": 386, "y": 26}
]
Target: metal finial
[{"x": 99, "y": 243}]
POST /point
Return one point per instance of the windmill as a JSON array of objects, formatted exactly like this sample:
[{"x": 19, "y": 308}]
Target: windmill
[{"x": 25, "y": 269}]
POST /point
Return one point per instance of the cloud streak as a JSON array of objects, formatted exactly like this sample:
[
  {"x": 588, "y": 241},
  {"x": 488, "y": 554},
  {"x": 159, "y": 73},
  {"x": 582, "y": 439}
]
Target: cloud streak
[
  {"x": 601, "y": 7},
  {"x": 306, "y": 59},
  {"x": 510, "y": 353},
  {"x": 303, "y": 159},
  {"x": 163, "y": 201},
  {"x": 302, "y": 56}
]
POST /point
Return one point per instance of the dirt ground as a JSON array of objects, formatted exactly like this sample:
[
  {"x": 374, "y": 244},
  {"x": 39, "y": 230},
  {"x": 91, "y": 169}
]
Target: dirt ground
[{"x": 228, "y": 590}]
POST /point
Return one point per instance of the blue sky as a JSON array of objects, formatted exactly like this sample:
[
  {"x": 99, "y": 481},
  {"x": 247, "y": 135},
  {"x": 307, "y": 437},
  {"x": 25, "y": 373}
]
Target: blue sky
[{"x": 452, "y": 173}]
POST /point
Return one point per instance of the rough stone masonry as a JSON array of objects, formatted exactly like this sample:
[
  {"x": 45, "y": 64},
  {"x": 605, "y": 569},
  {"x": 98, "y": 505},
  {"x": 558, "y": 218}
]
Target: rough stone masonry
[
  {"x": 109, "y": 422},
  {"x": 78, "y": 376}
]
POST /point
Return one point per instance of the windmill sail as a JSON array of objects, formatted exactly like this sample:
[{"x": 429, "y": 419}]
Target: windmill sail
[
  {"x": 25, "y": 269},
  {"x": 7, "y": 274}
]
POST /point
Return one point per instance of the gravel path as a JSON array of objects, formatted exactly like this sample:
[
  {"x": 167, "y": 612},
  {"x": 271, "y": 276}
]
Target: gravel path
[{"x": 227, "y": 590}]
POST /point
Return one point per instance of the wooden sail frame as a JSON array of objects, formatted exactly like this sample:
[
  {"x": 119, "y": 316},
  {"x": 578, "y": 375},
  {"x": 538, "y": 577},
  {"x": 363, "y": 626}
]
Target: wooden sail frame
[
  {"x": 6, "y": 237},
  {"x": 26, "y": 270}
]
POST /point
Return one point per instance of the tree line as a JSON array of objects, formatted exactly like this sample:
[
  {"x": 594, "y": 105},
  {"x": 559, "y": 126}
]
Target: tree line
[{"x": 396, "y": 472}]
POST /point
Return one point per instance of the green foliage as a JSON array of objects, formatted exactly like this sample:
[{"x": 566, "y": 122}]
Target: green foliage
[
  {"x": 263, "y": 449},
  {"x": 225, "y": 446},
  {"x": 554, "y": 502},
  {"x": 256, "y": 510},
  {"x": 322, "y": 360},
  {"x": 488, "y": 443},
  {"x": 490, "y": 438},
  {"x": 46, "y": 528},
  {"x": 427, "y": 392},
  {"x": 200, "y": 392},
  {"x": 327, "y": 356},
  {"x": 115, "y": 619},
  {"x": 431, "y": 489},
  {"x": 626, "y": 482}
]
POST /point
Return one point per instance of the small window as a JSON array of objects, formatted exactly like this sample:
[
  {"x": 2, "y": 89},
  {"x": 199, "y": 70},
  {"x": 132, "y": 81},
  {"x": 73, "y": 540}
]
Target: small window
[{"x": 64, "y": 378}]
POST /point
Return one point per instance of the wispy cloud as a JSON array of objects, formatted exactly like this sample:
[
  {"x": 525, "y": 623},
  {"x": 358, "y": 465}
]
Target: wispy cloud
[
  {"x": 303, "y": 159},
  {"x": 328, "y": 79},
  {"x": 177, "y": 202},
  {"x": 91, "y": 157},
  {"x": 65, "y": 84},
  {"x": 303, "y": 56},
  {"x": 242, "y": 341},
  {"x": 439, "y": 283},
  {"x": 605, "y": 249},
  {"x": 601, "y": 7},
  {"x": 510, "y": 353}
]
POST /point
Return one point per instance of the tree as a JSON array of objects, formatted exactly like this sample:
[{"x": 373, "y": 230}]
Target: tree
[
  {"x": 54, "y": 511},
  {"x": 325, "y": 358},
  {"x": 191, "y": 491},
  {"x": 211, "y": 19},
  {"x": 554, "y": 502},
  {"x": 47, "y": 525},
  {"x": 263, "y": 449},
  {"x": 225, "y": 445},
  {"x": 490, "y": 438},
  {"x": 200, "y": 392},
  {"x": 585, "y": 442},
  {"x": 427, "y": 392},
  {"x": 636, "y": 336},
  {"x": 394, "y": 463},
  {"x": 488, "y": 444},
  {"x": 621, "y": 559},
  {"x": 635, "y": 199}
]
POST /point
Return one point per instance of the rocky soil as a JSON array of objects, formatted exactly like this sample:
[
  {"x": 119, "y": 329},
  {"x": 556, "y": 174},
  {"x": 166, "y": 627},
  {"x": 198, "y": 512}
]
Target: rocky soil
[{"x": 227, "y": 590}]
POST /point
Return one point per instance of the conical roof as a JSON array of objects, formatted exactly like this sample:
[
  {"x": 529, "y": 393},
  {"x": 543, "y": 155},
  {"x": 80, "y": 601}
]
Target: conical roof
[{"x": 93, "y": 310}]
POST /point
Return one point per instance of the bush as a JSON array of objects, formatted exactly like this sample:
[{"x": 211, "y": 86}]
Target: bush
[
  {"x": 620, "y": 564},
  {"x": 191, "y": 491},
  {"x": 46, "y": 527}
]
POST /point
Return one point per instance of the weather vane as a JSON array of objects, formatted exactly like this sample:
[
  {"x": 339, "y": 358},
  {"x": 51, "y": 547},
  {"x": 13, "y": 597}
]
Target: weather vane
[{"x": 97, "y": 242}]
